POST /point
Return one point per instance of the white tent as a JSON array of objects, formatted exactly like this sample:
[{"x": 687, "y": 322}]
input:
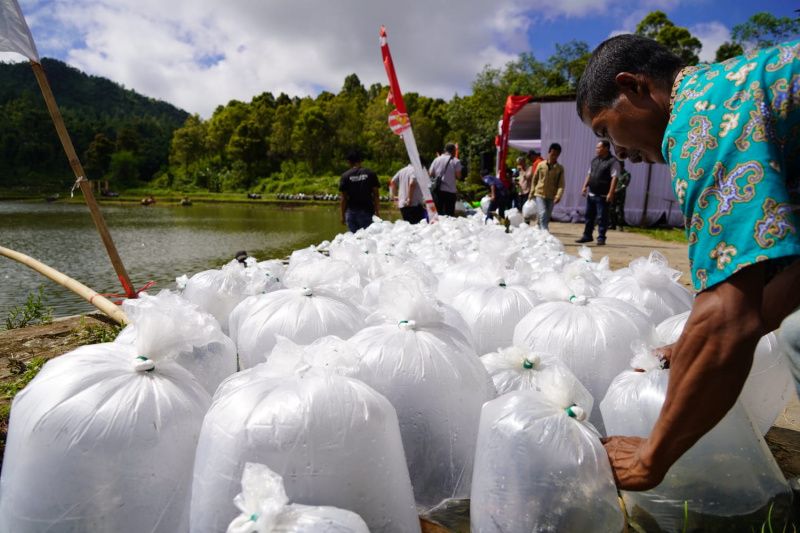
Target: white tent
[{"x": 542, "y": 122}]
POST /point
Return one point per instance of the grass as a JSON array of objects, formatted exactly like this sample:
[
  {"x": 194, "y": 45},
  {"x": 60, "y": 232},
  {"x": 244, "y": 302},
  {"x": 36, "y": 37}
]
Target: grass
[
  {"x": 33, "y": 311},
  {"x": 23, "y": 373},
  {"x": 98, "y": 333},
  {"x": 661, "y": 234}
]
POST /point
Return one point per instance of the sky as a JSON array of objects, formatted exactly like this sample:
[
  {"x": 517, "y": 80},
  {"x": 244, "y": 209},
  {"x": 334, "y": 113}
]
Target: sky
[{"x": 198, "y": 54}]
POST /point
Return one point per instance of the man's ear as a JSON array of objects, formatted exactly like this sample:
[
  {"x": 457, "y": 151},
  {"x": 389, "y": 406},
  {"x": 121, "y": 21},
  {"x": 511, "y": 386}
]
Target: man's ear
[{"x": 628, "y": 83}]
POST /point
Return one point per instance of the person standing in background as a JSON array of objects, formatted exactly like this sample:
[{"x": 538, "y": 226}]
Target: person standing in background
[
  {"x": 617, "y": 214},
  {"x": 601, "y": 180},
  {"x": 445, "y": 170},
  {"x": 405, "y": 190},
  {"x": 547, "y": 187},
  {"x": 523, "y": 182},
  {"x": 359, "y": 194}
]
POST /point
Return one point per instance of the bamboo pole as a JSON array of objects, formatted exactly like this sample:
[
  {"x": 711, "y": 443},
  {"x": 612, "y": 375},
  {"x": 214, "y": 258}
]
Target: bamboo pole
[
  {"x": 85, "y": 185},
  {"x": 91, "y": 296}
]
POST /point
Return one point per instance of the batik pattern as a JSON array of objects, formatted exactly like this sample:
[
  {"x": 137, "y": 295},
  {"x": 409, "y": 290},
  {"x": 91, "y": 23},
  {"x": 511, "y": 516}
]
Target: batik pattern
[{"x": 733, "y": 148}]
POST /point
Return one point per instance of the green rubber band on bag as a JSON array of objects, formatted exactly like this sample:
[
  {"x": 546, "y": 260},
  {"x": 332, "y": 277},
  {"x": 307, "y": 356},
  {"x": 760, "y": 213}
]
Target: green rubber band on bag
[
  {"x": 570, "y": 412},
  {"x": 254, "y": 517},
  {"x": 527, "y": 363}
]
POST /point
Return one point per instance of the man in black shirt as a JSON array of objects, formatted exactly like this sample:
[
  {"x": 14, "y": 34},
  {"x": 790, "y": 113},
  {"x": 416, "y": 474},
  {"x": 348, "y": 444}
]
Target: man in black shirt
[
  {"x": 599, "y": 191},
  {"x": 359, "y": 194}
]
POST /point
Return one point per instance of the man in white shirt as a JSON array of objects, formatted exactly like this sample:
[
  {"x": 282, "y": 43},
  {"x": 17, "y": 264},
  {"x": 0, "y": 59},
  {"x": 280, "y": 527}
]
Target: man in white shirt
[
  {"x": 448, "y": 167},
  {"x": 405, "y": 190}
]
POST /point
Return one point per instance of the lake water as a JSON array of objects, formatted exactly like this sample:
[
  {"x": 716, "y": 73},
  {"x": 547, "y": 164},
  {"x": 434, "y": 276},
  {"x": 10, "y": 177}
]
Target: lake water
[{"x": 155, "y": 243}]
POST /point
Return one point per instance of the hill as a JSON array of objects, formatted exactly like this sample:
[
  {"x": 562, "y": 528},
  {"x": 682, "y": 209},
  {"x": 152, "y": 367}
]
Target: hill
[{"x": 116, "y": 131}]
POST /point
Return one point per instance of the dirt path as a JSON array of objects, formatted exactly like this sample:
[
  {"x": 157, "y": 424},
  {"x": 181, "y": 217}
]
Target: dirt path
[{"x": 623, "y": 247}]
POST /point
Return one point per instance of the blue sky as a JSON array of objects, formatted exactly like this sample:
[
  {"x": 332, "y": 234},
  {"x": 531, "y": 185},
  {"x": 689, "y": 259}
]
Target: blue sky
[
  {"x": 198, "y": 54},
  {"x": 709, "y": 18}
]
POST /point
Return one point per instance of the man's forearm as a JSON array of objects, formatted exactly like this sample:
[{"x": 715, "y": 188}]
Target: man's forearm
[
  {"x": 343, "y": 204},
  {"x": 781, "y": 297},
  {"x": 709, "y": 365}
]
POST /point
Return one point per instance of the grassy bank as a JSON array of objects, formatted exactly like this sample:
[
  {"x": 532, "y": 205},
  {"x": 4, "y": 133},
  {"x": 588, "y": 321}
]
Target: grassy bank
[{"x": 662, "y": 234}]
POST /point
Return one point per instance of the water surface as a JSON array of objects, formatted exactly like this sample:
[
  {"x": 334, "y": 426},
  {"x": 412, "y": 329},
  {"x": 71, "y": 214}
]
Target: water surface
[{"x": 155, "y": 243}]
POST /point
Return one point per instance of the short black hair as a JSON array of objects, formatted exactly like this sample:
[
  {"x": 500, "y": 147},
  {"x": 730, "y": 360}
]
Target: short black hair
[
  {"x": 606, "y": 143},
  {"x": 555, "y": 146},
  {"x": 450, "y": 148},
  {"x": 354, "y": 156},
  {"x": 597, "y": 88}
]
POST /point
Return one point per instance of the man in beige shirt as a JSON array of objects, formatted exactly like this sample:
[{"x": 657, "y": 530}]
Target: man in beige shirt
[{"x": 548, "y": 185}]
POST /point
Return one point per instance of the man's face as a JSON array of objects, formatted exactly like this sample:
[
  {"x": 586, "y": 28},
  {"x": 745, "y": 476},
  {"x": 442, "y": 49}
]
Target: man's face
[
  {"x": 635, "y": 132},
  {"x": 601, "y": 151},
  {"x": 552, "y": 156}
]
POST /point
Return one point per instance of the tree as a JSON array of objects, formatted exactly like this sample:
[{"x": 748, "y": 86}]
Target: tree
[
  {"x": 124, "y": 169},
  {"x": 569, "y": 62},
  {"x": 656, "y": 25},
  {"x": 764, "y": 29},
  {"x": 98, "y": 156},
  {"x": 728, "y": 50},
  {"x": 188, "y": 142}
]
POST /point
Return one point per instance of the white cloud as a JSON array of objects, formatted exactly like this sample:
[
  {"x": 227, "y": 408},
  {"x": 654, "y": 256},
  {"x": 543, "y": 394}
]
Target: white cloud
[
  {"x": 199, "y": 54},
  {"x": 712, "y": 35}
]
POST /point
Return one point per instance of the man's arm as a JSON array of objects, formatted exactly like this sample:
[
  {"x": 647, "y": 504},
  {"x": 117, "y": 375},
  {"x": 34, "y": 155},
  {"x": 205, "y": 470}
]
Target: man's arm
[
  {"x": 376, "y": 200},
  {"x": 708, "y": 367},
  {"x": 611, "y": 189},
  {"x": 343, "y": 204},
  {"x": 534, "y": 182},
  {"x": 560, "y": 190},
  {"x": 585, "y": 188},
  {"x": 393, "y": 189},
  {"x": 412, "y": 184}
]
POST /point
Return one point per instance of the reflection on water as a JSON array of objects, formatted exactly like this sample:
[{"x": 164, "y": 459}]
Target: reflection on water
[{"x": 155, "y": 243}]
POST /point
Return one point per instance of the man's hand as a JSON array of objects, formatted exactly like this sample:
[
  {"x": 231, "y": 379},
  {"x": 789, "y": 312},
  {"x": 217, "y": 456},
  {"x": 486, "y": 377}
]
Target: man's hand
[
  {"x": 610, "y": 197},
  {"x": 631, "y": 464},
  {"x": 558, "y": 199},
  {"x": 585, "y": 190}
]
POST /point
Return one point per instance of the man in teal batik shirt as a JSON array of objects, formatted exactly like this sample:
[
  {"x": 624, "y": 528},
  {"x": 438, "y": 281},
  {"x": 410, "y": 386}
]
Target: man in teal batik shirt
[{"x": 730, "y": 133}]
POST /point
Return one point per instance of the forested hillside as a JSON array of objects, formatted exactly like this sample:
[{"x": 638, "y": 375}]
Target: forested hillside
[
  {"x": 287, "y": 144},
  {"x": 116, "y": 131}
]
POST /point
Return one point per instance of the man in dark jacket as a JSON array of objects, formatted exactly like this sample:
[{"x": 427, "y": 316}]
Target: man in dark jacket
[{"x": 601, "y": 180}]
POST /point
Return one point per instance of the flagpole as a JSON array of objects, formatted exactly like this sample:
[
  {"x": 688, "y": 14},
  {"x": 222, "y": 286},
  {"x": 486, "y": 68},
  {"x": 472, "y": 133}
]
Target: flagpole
[
  {"x": 81, "y": 180},
  {"x": 403, "y": 126}
]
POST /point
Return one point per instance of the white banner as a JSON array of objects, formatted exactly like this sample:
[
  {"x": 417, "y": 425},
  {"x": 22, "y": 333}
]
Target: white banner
[{"x": 15, "y": 36}]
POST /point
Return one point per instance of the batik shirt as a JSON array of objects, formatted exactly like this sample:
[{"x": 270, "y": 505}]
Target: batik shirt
[{"x": 733, "y": 147}]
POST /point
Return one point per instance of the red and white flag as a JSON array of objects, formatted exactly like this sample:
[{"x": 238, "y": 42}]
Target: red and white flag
[
  {"x": 401, "y": 125},
  {"x": 15, "y": 36}
]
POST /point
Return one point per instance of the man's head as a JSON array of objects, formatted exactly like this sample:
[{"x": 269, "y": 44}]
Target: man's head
[
  {"x": 603, "y": 149},
  {"x": 354, "y": 157},
  {"x": 533, "y": 154},
  {"x": 521, "y": 162},
  {"x": 450, "y": 148},
  {"x": 624, "y": 94},
  {"x": 553, "y": 153}
]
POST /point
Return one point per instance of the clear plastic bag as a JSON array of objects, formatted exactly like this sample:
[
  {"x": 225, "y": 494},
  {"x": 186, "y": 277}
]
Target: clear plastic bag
[
  {"x": 302, "y": 315},
  {"x": 265, "y": 509},
  {"x": 103, "y": 439},
  {"x": 493, "y": 311},
  {"x": 651, "y": 285},
  {"x": 514, "y": 368},
  {"x": 219, "y": 291},
  {"x": 514, "y": 217},
  {"x": 727, "y": 481},
  {"x": 591, "y": 336},
  {"x": 529, "y": 209},
  {"x": 769, "y": 386},
  {"x": 208, "y": 353},
  {"x": 436, "y": 383},
  {"x": 334, "y": 440},
  {"x": 540, "y": 466}
]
